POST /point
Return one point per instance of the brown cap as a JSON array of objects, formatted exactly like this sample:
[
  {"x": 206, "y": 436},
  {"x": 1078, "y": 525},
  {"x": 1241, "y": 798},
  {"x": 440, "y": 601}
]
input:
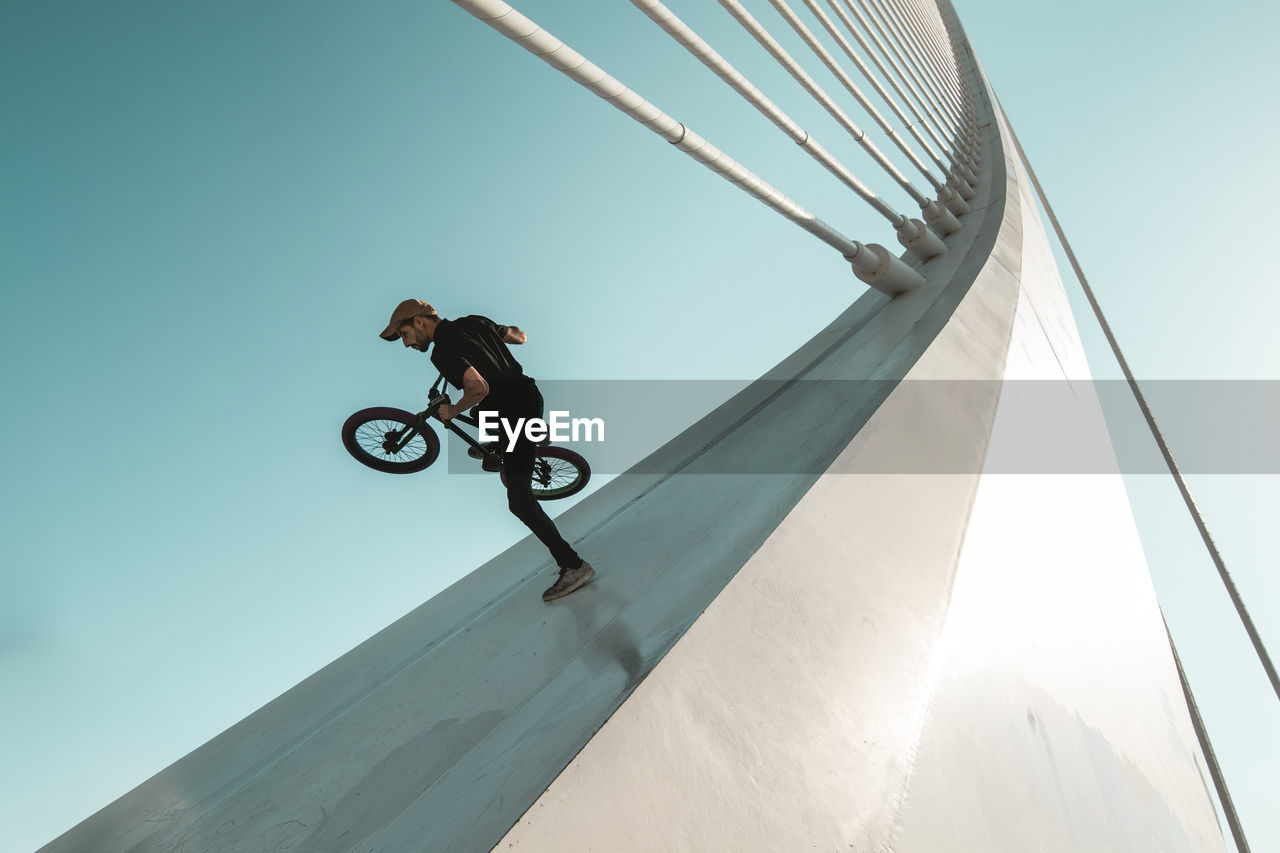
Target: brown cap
[{"x": 406, "y": 310}]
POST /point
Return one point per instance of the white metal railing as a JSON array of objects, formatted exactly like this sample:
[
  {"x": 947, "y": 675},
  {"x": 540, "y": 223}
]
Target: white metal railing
[
  {"x": 938, "y": 38},
  {"x": 948, "y": 122},
  {"x": 912, "y": 233},
  {"x": 909, "y": 25},
  {"x": 872, "y": 263},
  {"x": 913, "y": 52},
  {"x": 897, "y": 77},
  {"x": 958, "y": 108},
  {"x": 946, "y": 195},
  {"x": 806, "y": 35},
  {"x": 936, "y": 69},
  {"x": 783, "y": 58},
  {"x": 927, "y": 73}
]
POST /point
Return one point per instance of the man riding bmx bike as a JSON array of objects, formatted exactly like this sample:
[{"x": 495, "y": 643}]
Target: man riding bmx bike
[{"x": 472, "y": 354}]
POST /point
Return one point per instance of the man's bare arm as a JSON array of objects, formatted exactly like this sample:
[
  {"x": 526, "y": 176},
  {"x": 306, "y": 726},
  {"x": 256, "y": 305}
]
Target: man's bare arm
[
  {"x": 474, "y": 389},
  {"x": 514, "y": 335}
]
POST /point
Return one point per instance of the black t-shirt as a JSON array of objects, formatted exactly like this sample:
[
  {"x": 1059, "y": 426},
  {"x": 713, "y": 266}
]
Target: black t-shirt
[{"x": 474, "y": 341}]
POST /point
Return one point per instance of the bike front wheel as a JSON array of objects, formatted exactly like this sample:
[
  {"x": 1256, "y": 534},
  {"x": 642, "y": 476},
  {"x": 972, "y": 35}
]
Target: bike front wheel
[
  {"x": 557, "y": 473},
  {"x": 377, "y": 438}
]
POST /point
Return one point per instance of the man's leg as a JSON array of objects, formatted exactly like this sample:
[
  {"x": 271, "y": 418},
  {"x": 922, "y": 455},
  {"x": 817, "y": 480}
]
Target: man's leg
[{"x": 517, "y": 465}]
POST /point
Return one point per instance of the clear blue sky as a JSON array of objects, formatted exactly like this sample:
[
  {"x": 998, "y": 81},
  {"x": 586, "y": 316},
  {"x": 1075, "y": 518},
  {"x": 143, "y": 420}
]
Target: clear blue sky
[{"x": 209, "y": 210}]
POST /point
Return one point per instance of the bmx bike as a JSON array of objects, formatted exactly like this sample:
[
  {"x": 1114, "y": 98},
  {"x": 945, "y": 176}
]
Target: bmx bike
[{"x": 399, "y": 442}]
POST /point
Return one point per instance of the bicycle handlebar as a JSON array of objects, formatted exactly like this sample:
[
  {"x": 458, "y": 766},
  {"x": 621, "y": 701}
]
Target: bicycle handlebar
[{"x": 433, "y": 404}]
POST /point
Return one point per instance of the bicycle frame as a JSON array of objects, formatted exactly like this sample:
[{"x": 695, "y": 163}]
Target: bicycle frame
[
  {"x": 436, "y": 398},
  {"x": 378, "y": 436}
]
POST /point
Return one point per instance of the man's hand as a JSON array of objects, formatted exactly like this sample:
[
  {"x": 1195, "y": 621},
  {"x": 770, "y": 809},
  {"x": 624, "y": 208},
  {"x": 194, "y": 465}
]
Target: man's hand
[{"x": 447, "y": 412}]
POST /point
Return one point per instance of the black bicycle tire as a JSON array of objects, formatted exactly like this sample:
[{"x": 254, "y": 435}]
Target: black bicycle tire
[
  {"x": 387, "y": 413},
  {"x": 567, "y": 455}
]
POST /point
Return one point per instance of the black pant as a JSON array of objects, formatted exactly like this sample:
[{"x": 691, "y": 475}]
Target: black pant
[{"x": 513, "y": 401}]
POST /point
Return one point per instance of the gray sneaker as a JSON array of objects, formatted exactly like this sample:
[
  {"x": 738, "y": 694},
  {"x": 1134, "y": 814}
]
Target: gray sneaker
[{"x": 569, "y": 580}]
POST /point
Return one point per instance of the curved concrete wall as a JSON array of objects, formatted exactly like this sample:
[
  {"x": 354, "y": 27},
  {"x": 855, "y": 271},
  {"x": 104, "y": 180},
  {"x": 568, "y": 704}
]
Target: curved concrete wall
[
  {"x": 837, "y": 696},
  {"x": 1057, "y": 722}
]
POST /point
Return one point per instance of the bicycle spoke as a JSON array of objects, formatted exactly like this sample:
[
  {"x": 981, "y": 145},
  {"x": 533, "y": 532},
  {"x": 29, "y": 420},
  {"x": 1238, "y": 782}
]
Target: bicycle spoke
[
  {"x": 553, "y": 476},
  {"x": 371, "y": 435}
]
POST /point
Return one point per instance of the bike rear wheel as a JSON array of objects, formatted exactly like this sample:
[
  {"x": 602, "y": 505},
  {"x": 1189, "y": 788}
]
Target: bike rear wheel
[
  {"x": 371, "y": 436},
  {"x": 557, "y": 473}
]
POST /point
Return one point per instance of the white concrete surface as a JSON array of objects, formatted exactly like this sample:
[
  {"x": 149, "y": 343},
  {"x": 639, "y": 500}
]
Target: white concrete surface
[
  {"x": 788, "y": 716},
  {"x": 835, "y": 696},
  {"x": 1057, "y": 722}
]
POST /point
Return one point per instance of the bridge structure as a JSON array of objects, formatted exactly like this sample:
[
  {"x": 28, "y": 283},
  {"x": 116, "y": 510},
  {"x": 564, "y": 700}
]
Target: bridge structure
[{"x": 830, "y": 619}]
